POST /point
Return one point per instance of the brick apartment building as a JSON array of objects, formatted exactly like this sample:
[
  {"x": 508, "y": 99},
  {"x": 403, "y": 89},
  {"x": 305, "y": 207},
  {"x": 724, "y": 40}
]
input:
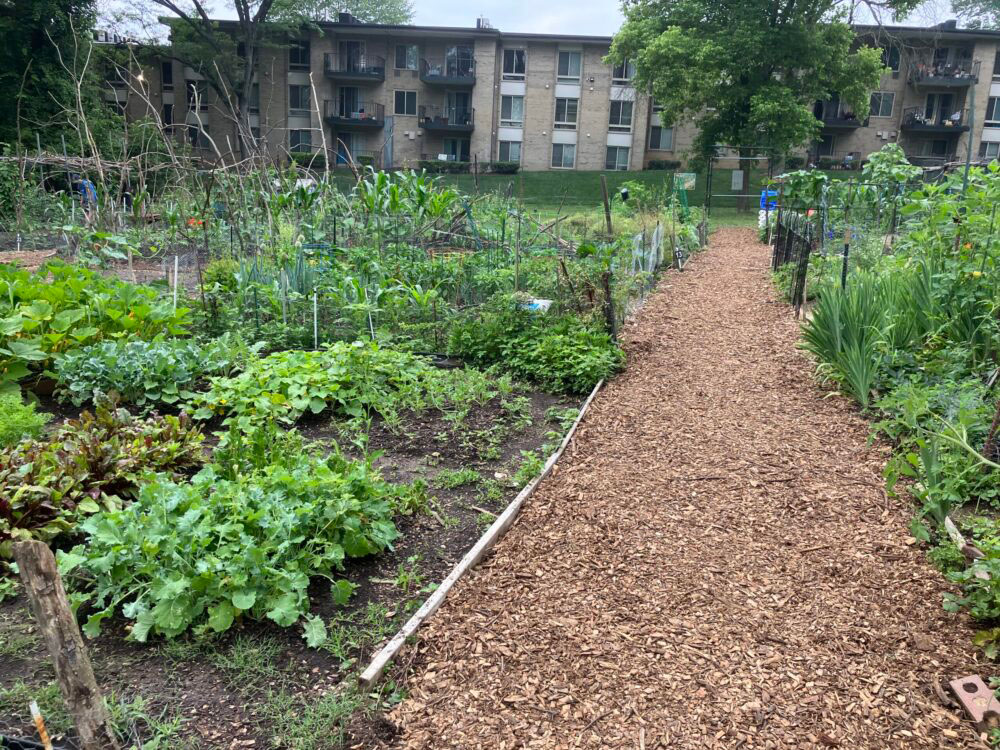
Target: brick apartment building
[{"x": 395, "y": 95}]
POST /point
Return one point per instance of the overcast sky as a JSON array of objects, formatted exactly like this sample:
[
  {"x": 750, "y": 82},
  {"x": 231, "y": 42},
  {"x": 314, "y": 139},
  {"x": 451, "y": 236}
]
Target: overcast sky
[{"x": 600, "y": 17}]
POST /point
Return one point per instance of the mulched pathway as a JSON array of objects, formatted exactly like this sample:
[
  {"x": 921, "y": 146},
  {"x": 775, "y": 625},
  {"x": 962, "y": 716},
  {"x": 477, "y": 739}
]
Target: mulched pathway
[{"x": 713, "y": 565}]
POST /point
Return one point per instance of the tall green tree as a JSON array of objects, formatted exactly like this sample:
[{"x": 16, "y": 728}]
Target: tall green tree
[
  {"x": 978, "y": 14},
  {"x": 38, "y": 39},
  {"x": 369, "y": 11},
  {"x": 748, "y": 72}
]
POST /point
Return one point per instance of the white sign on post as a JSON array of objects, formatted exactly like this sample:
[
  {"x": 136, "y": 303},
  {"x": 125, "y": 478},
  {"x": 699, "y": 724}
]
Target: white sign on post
[{"x": 737, "y": 185}]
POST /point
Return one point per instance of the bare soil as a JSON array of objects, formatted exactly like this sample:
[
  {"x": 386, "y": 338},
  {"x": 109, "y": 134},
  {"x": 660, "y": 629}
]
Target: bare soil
[
  {"x": 714, "y": 565},
  {"x": 219, "y": 711}
]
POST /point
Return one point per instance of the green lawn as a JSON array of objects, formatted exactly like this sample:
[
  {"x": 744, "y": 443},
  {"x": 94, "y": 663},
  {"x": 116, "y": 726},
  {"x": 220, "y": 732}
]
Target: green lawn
[{"x": 580, "y": 192}]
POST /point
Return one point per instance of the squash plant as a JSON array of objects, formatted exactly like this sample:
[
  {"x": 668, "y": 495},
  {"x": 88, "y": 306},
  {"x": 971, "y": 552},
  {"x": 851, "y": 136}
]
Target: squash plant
[{"x": 60, "y": 307}]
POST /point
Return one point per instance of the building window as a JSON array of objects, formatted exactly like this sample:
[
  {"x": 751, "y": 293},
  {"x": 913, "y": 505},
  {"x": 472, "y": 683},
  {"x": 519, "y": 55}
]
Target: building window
[
  {"x": 617, "y": 158},
  {"x": 512, "y": 111},
  {"x": 989, "y": 150},
  {"x": 405, "y": 103},
  {"x": 456, "y": 149},
  {"x": 623, "y": 72},
  {"x": 510, "y": 151},
  {"x": 198, "y": 136},
  {"x": 881, "y": 104},
  {"x": 996, "y": 67},
  {"x": 167, "y": 75},
  {"x": 298, "y": 55},
  {"x": 993, "y": 112},
  {"x": 253, "y": 100},
  {"x": 890, "y": 57},
  {"x": 620, "y": 119},
  {"x": 566, "y": 110},
  {"x": 406, "y": 57},
  {"x": 661, "y": 138},
  {"x": 513, "y": 64},
  {"x": 569, "y": 65},
  {"x": 168, "y": 117},
  {"x": 300, "y": 141},
  {"x": 196, "y": 95},
  {"x": 563, "y": 155},
  {"x": 298, "y": 100}
]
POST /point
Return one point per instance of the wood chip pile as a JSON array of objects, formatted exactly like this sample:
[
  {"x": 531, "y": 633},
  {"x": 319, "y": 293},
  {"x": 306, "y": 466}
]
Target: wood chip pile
[{"x": 714, "y": 563}]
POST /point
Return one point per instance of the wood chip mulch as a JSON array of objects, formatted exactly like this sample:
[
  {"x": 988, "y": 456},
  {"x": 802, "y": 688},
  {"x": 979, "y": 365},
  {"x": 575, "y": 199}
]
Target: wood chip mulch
[{"x": 714, "y": 564}]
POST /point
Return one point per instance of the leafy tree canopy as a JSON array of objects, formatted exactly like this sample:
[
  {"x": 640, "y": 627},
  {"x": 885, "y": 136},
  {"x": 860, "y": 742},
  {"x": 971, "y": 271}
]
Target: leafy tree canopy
[
  {"x": 749, "y": 71},
  {"x": 978, "y": 14},
  {"x": 369, "y": 11}
]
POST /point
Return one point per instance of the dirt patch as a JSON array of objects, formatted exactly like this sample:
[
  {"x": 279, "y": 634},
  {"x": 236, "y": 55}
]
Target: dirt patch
[{"x": 224, "y": 688}]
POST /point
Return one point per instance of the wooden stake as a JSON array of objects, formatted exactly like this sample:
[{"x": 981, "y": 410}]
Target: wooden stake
[
  {"x": 58, "y": 627},
  {"x": 607, "y": 205}
]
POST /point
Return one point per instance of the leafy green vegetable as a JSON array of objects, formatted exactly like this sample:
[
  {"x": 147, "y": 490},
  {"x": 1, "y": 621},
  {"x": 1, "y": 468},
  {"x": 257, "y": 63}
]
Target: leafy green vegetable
[
  {"x": 18, "y": 420},
  {"x": 95, "y": 462},
  {"x": 200, "y": 555},
  {"x": 147, "y": 373}
]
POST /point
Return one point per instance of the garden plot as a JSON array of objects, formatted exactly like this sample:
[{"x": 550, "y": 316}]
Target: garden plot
[{"x": 255, "y": 467}]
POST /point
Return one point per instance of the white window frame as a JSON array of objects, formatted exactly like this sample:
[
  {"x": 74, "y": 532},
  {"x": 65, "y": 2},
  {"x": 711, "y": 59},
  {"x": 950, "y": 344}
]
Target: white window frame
[
  {"x": 299, "y": 111},
  {"x": 510, "y": 120},
  {"x": 562, "y": 155},
  {"x": 628, "y": 72},
  {"x": 618, "y": 158},
  {"x": 296, "y": 148},
  {"x": 514, "y": 75},
  {"x": 406, "y": 93},
  {"x": 620, "y": 127},
  {"x": 882, "y": 95},
  {"x": 297, "y": 44},
  {"x": 988, "y": 146},
  {"x": 659, "y": 146},
  {"x": 510, "y": 145},
  {"x": 566, "y": 124},
  {"x": 408, "y": 47},
  {"x": 569, "y": 77},
  {"x": 992, "y": 119}
]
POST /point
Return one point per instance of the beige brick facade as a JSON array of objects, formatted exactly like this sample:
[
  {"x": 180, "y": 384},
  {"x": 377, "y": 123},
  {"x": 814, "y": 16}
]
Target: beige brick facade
[{"x": 459, "y": 116}]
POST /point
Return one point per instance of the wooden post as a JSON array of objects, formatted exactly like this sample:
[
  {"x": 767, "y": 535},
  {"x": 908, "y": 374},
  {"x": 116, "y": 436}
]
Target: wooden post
[
  {"x": 607, "y": 205},
  {"x": 475, "y": 170},
  {"x": 65, "y": 644}
]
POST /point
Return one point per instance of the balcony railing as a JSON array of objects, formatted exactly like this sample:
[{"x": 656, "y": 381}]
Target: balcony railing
[
  {"x": 932, "y": 162},
  {"x": 450, "y": 71},
  {"x": 945, "y": 75},
  {"x": 362, "y": 158},
  {"x": 359, "y": 114},
  {"x": 916, "y": 120},
  {"x": 447, "y": 119},
  {"x": 354, "y": 67},
  {"x": 842, "y": 160}
]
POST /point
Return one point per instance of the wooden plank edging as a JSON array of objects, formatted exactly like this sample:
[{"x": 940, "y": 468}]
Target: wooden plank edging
[{"x": 495, "y": 532}]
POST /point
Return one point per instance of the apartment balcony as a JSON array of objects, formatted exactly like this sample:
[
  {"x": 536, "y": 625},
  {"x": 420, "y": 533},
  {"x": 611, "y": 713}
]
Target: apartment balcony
[
  {"x": 363, "y": 69},
  {"x": 435, "y": 119},
  {"x": 841, "y": 121},
  {"x": 930, "y": 162},
  {"x": 449, "y": 71},
  {"x": 916, "y": 122},
  {"x": 945, "y": 76},
  {"x": 357, "y": 115},
  {"x": 847, "y": 161}
]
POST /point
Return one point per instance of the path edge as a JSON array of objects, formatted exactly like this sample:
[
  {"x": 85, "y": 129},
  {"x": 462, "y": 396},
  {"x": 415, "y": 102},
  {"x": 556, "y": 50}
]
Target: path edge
[{"x": 493, "y": 534}]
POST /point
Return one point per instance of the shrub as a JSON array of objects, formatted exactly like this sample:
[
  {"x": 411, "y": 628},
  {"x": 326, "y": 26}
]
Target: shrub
[
  {"x": 504, "y": 167},
  {"x": 309, "y": 159},
  {"x": 663, "y": 164},
  {"x": 794, "y": 162},
  {"x": 87, "y": 464},
  {"x": 199, "y": 555},
  {"x": 18, "y": 420},
  {"x": 147, "y": 373},
  {"x": 439, "y": 166}
]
